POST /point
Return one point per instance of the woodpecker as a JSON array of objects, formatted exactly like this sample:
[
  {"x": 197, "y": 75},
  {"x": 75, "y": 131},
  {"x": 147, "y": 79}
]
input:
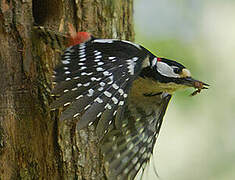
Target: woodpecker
[{"x": 125, "y": 90}]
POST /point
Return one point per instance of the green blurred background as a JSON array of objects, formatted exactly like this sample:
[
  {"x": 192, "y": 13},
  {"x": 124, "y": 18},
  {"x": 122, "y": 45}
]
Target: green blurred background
[{"x": 197, "y": 139}]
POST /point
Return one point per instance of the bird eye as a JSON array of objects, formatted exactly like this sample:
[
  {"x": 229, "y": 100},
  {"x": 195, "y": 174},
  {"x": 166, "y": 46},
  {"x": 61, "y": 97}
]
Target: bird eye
[{"x": 176, "y": 70}]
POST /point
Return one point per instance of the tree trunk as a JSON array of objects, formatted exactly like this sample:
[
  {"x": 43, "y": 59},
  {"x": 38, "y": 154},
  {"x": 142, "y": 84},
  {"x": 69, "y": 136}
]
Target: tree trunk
[{"x": 33, "y": 143}]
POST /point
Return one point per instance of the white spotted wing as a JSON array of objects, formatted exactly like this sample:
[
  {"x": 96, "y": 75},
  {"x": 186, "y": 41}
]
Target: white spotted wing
[{"x": 95, "y": 77}]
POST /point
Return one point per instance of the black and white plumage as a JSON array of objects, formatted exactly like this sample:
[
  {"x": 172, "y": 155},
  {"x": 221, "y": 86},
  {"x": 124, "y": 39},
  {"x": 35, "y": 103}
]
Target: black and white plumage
[{"x": 126, "y": 89}]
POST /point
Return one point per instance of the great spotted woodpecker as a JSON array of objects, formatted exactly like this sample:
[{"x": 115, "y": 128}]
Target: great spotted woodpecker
[{"x": 125, "y": 89}]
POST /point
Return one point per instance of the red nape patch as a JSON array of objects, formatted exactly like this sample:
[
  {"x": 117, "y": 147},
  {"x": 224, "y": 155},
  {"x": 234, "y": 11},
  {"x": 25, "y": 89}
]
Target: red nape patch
[
  {"x": 159, "y": 59},
  {"x": 77, "y": 37}
]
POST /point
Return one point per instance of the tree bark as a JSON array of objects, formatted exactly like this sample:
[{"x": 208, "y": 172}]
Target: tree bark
[{"x": 33, "y": 143}]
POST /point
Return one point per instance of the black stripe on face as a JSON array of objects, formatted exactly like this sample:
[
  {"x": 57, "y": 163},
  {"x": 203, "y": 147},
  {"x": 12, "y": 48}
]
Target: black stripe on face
[
  {"x": 172, "y": 63},
  {"x": 148, "y": 72}
]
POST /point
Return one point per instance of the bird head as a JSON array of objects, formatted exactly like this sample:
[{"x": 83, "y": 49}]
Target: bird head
[{"x": 171, "y": 76}]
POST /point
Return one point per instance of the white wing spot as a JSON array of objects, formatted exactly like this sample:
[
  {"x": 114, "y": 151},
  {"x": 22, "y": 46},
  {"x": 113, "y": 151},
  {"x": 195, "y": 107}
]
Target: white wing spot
[
  {"x": 81, "y": 64},
  {"x": 111, "y": 79},
  {"x": 135, "y": 58},
  {"x": 115, "y": 86},
  {"x": 95, "y": 79},
  {"x": 79, "y": 97},
  {"x": 82, "y": 56},
  {"x": 79, "y": 85},
  {"x": 98, "y": 115},
  {"x": 102, "y": 84},
  {"x": 66, "y": 104},
  {"x": 91, "y": 92},
  {"x": 98, "y": 57},
  {"x": 96, "y": 60},
  {"x": 65, "y": 62},
  {"x": 68, "y": 79},
  {"x": 75, "y": 115},
  {"x": 100, "y": 89},
  {"x": 74, "y": 89},
  {"x": 90, "y": 123},
  {"x": 131, "y": 67},
  {"x": 67, "y": 72},
  {"x": 99, "y": 69},
  {"x": 111, "y": 58},
  {"x": 82, "y": 46},
  {"x": 121, "y": 103},
  {"x": 82, "y": 59},
  {"x": 66, "y": 68},
  {"x": 67, "y": 53},
  {"x": 108, "y": 106},
  {"x": 106, "y": 73},
  {"x": 66, "y": 57},
  {"x": 98, "y": 100},
  {"x": 121, "y": 91},
  {"x": 83, "y": 67},
  {"x": 66, "y": 90},
  {"x": 97, "y": 53},
  {"x": 87, "y": 84},
  {"x": 82, "y": 52},
  {"x": 85, "y": 73},
  {"x": 108, "y": 94},
  {"x": 87, "y": 107},
  {"x": 115, "y": 100},
  {"x": 100, "y": 63}
]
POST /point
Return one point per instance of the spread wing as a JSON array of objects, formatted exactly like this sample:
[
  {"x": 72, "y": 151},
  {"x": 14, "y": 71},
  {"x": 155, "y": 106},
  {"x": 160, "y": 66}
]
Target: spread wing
[{"x": 95, "y": 77}]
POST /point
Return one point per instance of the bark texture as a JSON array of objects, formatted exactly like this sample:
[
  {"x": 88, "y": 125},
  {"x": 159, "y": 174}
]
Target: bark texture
[{"x": 33, "y": 144}]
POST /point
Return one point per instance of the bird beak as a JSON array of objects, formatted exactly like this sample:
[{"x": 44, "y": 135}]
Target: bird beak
[{"x": 199, "y": 85}]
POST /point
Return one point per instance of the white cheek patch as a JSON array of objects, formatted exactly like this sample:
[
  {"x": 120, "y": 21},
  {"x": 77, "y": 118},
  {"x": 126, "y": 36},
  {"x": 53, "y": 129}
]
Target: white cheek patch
[{"x": 166, "y": 70}]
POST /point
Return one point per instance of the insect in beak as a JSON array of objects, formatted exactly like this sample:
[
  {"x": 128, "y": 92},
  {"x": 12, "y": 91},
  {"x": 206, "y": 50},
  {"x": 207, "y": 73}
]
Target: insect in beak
[{"x": 198, "y": 85}]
